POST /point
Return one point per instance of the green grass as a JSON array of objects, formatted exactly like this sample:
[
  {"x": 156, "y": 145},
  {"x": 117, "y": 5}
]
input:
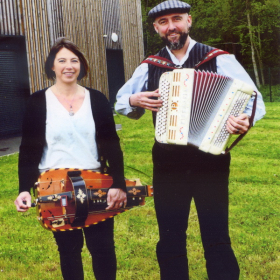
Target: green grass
[
  {"x": 270, "y": 93},
  {"x": 27, "y": 251}
]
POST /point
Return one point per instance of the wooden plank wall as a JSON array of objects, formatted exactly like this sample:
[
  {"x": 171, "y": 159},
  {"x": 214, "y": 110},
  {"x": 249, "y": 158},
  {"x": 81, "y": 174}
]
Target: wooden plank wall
[
  {"x": 21, "y": 17},
  {"x": 55, "y": 19},
  {"x": 84, "y": 22},
  {"x": 35, "y": 18},
  {"x": 10, "y": 20},
  {"x": 84, "y": 27},
  {"x": 111, "y": 23},
  {"x": 132, "y": 35}
]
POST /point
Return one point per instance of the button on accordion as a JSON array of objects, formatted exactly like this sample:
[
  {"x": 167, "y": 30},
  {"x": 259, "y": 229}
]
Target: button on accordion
[{"x": 196, "y": 106}]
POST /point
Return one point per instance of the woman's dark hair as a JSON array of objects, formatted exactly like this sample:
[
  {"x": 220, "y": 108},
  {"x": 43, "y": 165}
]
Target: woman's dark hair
[{"x": 60, "y": 43}]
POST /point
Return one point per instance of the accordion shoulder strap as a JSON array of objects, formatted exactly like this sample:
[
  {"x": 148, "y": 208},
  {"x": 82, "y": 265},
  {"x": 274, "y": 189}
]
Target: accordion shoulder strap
[
  {"x": 166, "y": 63},
  {"x": 161, "y": 62},
  {"x": 251, "y": 119},
  {"x": 210, "y": 55}
]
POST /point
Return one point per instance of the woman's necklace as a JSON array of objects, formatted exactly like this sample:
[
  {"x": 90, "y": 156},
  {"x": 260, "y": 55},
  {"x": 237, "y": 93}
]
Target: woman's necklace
[{"x": 71, "y": 112}]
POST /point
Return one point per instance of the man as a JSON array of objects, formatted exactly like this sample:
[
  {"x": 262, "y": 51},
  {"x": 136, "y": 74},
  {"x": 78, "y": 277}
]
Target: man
[{"x": 183, "y": 173}]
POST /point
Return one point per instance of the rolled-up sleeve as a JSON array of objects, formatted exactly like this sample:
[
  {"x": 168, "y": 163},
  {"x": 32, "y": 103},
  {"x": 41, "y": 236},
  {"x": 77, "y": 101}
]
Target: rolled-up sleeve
[
  {"x": 228, "y": 65},
  {"x": 137, "y": 83}
]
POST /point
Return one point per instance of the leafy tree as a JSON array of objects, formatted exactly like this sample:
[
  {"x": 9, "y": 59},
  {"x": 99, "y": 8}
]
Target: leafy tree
[
  {"x": 224, "y": 24},
  {"x": 266, "y": 24},
  {"x": 152, "y": 41},
  {"x": 252, "y": 41}
]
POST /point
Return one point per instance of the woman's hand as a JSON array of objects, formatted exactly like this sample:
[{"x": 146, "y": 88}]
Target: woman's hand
[
  {"x": 116, "y": 198},
  {"x": 23, "y": 202}
]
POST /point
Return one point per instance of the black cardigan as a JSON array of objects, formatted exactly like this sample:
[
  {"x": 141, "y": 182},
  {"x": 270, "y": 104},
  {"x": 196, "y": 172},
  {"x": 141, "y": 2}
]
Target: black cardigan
[{"x": 33, "y": 140}]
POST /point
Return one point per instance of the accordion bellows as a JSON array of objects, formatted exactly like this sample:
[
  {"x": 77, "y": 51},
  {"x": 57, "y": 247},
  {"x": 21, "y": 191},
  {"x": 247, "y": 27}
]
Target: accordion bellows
[{"x": 196, "y": 106}]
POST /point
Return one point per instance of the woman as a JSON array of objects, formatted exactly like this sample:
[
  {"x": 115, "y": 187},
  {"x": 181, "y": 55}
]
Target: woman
[{"x": 69, "y": 126}]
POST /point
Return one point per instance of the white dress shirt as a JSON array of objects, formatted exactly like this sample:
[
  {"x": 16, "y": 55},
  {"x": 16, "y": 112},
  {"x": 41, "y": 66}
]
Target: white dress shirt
[{"x": 227, "y": 65}]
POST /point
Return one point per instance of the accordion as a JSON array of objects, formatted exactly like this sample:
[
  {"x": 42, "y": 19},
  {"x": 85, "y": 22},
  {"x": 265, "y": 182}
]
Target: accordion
[{"x": 196, "y": 106}]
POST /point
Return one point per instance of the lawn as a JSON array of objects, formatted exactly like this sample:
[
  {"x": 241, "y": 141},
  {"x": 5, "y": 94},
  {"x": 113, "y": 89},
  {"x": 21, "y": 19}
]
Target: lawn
[{"x": 27, "y": 251}]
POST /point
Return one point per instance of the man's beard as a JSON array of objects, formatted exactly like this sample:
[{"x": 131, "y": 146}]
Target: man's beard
[{"x": 176, "y": 45}]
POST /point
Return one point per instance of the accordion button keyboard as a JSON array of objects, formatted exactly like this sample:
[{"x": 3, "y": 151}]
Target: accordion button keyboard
[{"x": 162, "y": 114}]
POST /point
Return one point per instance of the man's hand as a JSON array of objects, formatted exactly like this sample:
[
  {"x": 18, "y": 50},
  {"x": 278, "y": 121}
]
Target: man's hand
[
  {"x": 142, "y": 99},
  {"x": 238, "y": 125},
  {"x": 116, "y": 198},
  {"x": 23, "y": 202}
]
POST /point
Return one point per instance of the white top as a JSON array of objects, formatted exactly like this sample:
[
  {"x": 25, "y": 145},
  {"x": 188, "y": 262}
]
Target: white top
[
  {"x": 70, "y": 140},
  {"x": 227, "y": 65}
]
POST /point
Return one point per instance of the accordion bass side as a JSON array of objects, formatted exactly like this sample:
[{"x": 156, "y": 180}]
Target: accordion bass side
[{"x": 196, "y": 106}]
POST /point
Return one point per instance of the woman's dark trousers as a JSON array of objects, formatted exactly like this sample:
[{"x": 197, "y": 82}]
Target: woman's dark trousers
[{"x": 100, "y": 243}]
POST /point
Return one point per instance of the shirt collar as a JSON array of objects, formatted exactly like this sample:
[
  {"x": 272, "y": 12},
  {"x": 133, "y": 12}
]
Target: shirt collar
[{"x": 183, "y": 60}]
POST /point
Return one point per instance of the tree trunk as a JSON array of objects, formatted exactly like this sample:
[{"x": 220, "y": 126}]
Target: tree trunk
[
  {"x": 259, "y": 55},
  {"x": 260, "y": 64},
  {"x": 253, "y": 51}
]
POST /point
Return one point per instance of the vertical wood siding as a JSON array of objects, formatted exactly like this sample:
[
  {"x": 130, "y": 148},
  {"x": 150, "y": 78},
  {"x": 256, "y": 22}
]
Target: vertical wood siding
[
  {"x": 132, "y": 35},
  {"x": 85, "y": 22},
  {"x": 10, "y": 20},
  {"x": 83, "y": 25},
  {"x": 37, "y": 41},
  {"x": 111, "y": 23},
  {"x": 55, "y": 19}
]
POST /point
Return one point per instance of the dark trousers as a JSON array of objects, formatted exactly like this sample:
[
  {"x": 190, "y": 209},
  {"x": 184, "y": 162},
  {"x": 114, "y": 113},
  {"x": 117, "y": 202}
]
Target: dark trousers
[
  {"x": 100, "y": 243},
  {"x": 180, "y": 175}
]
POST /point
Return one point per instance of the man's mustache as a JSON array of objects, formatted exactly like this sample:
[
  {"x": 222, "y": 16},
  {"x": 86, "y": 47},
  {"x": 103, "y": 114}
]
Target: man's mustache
[{"x": 172, "y": 32}]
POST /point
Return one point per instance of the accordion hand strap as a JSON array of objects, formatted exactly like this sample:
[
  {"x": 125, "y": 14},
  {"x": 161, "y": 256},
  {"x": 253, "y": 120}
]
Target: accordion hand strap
[
  {"x": 166, "y": 63},
  {"x": 251, "y": 119}
]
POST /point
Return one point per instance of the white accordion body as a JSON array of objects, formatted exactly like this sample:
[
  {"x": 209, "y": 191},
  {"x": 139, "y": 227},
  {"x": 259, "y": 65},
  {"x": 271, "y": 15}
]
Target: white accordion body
[{"x": 196, "y": 106}]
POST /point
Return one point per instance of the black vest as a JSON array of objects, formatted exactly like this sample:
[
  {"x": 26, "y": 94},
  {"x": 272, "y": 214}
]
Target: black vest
[{"x": 197, "y": 53}]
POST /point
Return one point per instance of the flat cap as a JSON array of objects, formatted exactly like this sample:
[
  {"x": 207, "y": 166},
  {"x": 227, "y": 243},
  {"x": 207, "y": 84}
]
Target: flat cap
[{"x": 169, "y": 7}]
